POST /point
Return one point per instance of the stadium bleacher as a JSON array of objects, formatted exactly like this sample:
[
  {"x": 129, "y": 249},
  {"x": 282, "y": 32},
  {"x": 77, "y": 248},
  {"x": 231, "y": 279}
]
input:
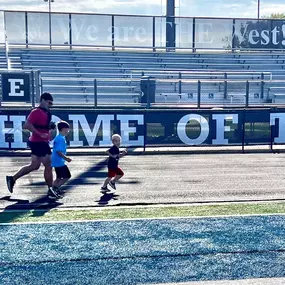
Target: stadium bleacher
[
  {"x": 3, "y": 61},
  {"x": 71, "y": 73}
]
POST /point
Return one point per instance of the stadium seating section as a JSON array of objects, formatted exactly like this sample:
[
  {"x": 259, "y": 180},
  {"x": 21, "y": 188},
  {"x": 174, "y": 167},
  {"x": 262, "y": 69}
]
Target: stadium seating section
[{"x": 69, "y": 75}]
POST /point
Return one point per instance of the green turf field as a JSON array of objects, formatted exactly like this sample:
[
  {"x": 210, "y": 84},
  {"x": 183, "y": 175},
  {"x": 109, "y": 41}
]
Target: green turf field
[{"x": 141, "y": 212}]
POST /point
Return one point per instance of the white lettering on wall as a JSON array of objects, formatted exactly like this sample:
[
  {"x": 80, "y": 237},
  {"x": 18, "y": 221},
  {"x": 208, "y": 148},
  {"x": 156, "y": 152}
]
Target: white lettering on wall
[
  {"x": 281, "y": 118},
  {"x": 181, "y": 129},
  {"x": 126, "y": 130},
  {"x": 16, "y": 131},
  {"x": 91, "y": 135},
  {"x": 221, "y": 128},
  {"x": 15, "y": 87}
]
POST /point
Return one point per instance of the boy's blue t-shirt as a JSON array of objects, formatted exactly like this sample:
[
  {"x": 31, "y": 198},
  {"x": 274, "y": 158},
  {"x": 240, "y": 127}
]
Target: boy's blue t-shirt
[{"x": 59, "y": 144}]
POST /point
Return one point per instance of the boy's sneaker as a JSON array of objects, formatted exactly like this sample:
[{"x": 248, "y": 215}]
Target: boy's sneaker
[
  {"x": 105, "y": 189},
  {"x": 112, "y": 184},
  {"x": 10, "y": 183},
  {"x": 52, "y": 194},
  {"x": 60, "y": 191}
]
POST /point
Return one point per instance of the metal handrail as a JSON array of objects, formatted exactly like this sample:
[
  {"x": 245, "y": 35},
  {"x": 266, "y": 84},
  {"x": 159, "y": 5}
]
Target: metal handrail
[{"x": 222, "y": 50}]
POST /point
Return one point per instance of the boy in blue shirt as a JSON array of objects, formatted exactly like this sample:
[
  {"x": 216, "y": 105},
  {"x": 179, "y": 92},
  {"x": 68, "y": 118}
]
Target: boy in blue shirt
[{"x": 59, "y": 159}]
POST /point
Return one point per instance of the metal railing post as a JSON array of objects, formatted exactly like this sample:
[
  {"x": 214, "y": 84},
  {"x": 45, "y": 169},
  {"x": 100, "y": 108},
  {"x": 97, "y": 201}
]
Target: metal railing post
[
  {"x": 145, "y": 133},
  {"x": 233, "y": 35},
  {"x": 41, "y": 86},
  {"x": 194, "y": 35},
  {"x": 147, "y": 93},
  {"x": 113, "y": 32},
  {"x": 247, "y": 95},
  {"x": 27, "y": 29},
  {"x": 153, "y": 34},
  {"x": 272, "y": 136},
  {"x": 262, "y": 86},
  {"x": 199, "y": 94},
  {"x": 37, "y": 85},
  {"x": 180, "y": 83},
  {"x": 32, "y": 80},
  {"x": 50, "y": 30},
  {"x": 95, "y": 94},
  {"x": 7, "y": 53},
  {"x": 226, "y": 86},
  {"x": 243, "y": 130},
  {"x": 70, "y": 31}
]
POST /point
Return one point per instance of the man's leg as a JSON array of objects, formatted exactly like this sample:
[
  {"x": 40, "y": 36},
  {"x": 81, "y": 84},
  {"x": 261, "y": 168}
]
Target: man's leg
[
  {"x": 46, "y": 161},
  {"x": 34, "y": 165}
]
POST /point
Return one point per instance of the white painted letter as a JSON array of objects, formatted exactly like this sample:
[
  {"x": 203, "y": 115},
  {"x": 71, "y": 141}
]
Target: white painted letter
[
  {"x": 89, "y": 134},
  {"x": 14, "y": 87},
  {"x": 126, "y": 130},
  {"x": 181, "y": 129},
  {"x": 281, "y": 118},
  {"x": 16, "y": 131},
  {"x": 221, "y": 128}
]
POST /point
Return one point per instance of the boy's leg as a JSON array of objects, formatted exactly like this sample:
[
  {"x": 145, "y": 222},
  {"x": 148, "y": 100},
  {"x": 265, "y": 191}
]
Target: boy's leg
[
  {"x": 108, "y": 179},
  {"x": 56, "y": 182},
  {"x": 119, "y": 175},
  {"x": 111, "y": 174},
  {"x": 59, "y": 183},
  {"x": 63, "y": 175},
  {"x": 117, "y": 178}
]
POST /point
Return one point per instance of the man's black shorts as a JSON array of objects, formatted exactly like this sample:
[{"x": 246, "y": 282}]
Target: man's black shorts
[
  {"x": 40, "y": 149},
  {"x": 62, "y": 172}
]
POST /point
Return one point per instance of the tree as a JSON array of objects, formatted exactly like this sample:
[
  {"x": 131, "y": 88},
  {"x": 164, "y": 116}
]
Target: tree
[{"x": 274, "y": 16}]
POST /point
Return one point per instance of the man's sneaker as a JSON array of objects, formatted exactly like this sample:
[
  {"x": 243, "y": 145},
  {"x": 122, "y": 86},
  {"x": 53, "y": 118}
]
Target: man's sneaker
[
  {"x": 105, "y": 189},
  {"x": 112, "y": 184},
  {"x": 51, "y": 195},
  {"x": 10, "y": 183}
]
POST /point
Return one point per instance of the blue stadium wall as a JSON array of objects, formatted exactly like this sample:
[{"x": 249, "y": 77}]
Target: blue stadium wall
[{"x": 142, "y": 128}]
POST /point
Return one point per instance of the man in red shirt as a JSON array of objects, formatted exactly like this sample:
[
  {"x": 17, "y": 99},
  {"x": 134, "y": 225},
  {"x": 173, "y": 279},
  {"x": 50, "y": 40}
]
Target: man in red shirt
[{"x": 39, "y": 124}]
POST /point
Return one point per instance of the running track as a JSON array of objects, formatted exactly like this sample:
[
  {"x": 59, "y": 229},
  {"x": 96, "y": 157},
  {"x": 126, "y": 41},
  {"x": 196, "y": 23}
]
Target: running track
[{"x": 155, "y": 179}]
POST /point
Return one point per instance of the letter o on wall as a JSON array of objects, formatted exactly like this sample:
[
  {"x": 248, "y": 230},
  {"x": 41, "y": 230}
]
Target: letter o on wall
[{"x": 181, "y": 129}]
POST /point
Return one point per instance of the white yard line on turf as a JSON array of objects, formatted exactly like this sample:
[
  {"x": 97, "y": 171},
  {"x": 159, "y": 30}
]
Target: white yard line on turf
[
  {"x": 259, "y": 281},
  {"x": 67, "y": 207},
  {"x": 142, "y": 219}
]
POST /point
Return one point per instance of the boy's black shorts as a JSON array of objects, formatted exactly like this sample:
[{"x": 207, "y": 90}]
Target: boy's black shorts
[
  {"x": 62, "y": 172},
  {"x": 40, "y": 149}
]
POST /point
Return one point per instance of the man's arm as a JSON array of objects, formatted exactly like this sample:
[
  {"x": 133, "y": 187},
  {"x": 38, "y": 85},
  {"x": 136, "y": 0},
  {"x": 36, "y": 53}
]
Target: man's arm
[{"x": 31, "y": 128}]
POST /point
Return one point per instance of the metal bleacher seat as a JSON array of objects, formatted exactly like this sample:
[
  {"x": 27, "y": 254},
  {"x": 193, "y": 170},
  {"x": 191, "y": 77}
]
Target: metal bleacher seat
[
  {"x": 70, "y": 73},
  {"x": 3, "y": 61}
]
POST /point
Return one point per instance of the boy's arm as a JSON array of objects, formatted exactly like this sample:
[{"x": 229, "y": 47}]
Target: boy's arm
[
  {"x": 60, "y": 154},
  {"x": 123, "y": 153},
  {"x": 112, "y": 155}
]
